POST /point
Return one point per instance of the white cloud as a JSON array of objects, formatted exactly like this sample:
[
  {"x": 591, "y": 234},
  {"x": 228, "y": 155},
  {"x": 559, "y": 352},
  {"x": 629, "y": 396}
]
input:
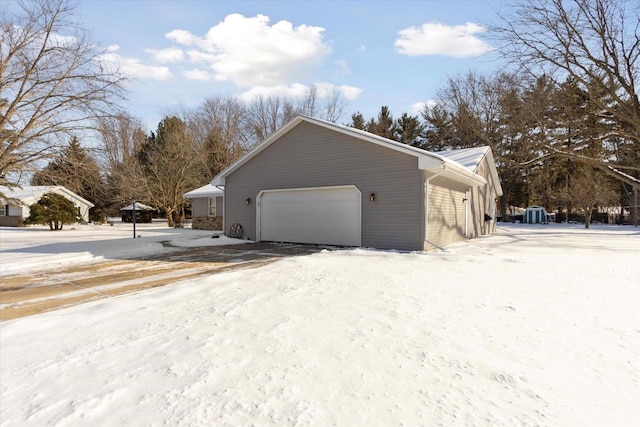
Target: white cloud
[
  {"x": 168, "y": 55},
  {"x": 132, "y": 67},
  {"x": 418, "y": 107},
  {"x": 459, "y": 41},
  {"x": 250, "y": 52},
  {"x": 350, "y": 92},
  {"x": 298, "y": 90},
  {"x": 197, "y": 74},
  {"x": 342, "y": 68},
  {"x": 182, "y": 36},
  {"x": 294, "y": 90}
]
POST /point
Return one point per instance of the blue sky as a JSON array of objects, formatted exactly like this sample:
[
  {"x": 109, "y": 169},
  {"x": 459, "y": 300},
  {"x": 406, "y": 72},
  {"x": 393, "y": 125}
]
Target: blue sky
[{"x": 375, "y": 52}]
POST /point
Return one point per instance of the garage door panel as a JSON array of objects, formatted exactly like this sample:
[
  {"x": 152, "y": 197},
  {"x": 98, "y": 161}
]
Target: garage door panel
[{"x": 319, "y": 215}]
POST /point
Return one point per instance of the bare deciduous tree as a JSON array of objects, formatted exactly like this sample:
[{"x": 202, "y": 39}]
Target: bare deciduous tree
[
  {"x": 596, "y": 43},
  {"x": 122, "y": 137},
  {"x": 265, "y": 115},
  {"x": 218, "y": 128},
  {"x": 330, "y": 107},
  {"x": 51, "y": 83},
  {"x": 168, "y": 165}
]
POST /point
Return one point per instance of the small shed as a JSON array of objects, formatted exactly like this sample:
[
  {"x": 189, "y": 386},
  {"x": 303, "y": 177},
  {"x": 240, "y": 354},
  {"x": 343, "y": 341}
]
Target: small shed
[
  {"x": 144, "y": 213},
  {"x": 536, "y": 215},
  {"x": 207, "y": 205},
  {"x": 14, "y": 207}
]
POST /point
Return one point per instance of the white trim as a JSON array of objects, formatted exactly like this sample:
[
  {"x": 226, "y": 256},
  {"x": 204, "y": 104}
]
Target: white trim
[
  {"x": 215, "y": 206},
  {"x": 280, "y": 190}
]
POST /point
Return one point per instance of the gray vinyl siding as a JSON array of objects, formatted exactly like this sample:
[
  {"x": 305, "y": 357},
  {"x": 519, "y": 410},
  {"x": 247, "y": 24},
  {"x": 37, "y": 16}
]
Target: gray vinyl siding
[
  {"x": 312, "y": 156},
  {"x": 481, "y": 198},
  {"x": 446, "y": 219},
  {"x": 219, "y": 206},
  {"x": 200, "y": 206}
]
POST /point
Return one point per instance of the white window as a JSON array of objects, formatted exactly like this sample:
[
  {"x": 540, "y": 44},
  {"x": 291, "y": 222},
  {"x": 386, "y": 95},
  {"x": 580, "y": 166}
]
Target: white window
[
  {"x": 3, "y": 210},
  {"x": 212, "y": 206}
]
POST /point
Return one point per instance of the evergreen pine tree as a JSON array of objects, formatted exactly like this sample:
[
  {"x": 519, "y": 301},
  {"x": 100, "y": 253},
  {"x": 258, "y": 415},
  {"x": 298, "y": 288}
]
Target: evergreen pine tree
[
  {"x": 53, "y": 209},
  {"x": 76, "y": 170}
]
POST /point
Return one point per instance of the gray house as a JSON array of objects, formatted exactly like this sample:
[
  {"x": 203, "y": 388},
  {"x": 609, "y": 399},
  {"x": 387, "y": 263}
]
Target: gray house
[
  {"x": 314, "y": 181},
  {"x": 207, "y": 205}
]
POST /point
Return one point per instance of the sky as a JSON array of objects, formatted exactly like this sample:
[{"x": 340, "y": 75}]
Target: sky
[{"x": 375, "y": 53}]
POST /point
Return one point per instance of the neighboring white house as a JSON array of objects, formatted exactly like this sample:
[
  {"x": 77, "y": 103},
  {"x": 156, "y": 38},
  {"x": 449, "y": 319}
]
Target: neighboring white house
[
  {"x": 15, "y": 208},
  {"x": 207, "y": 205},
  {"x": 536, "y": 215}
]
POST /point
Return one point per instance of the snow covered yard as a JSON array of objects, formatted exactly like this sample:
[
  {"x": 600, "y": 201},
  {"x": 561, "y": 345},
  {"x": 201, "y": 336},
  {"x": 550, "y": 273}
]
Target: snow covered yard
[
  {"x": 537, "y": 325},
  {"x": 37, "y": 248}
]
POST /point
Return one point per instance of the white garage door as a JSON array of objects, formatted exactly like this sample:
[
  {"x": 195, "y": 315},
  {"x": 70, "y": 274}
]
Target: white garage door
[{"x": 322, "y": 215}]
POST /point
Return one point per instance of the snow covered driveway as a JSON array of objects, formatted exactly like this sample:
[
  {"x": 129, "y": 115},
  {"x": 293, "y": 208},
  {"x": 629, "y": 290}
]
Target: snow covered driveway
[
  {"x": 533, "y": 326},
  {"x": 49, "y": 289}
]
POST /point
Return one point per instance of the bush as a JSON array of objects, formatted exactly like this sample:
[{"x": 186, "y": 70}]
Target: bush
[{"x": 53, "y": 209}]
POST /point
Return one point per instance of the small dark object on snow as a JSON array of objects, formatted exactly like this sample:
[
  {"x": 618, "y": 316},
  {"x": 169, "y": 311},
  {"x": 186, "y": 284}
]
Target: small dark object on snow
[{"x": 215, "y": 236}]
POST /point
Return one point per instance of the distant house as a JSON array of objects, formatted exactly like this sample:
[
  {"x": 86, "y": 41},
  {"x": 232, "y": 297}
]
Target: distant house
[
  {"x": 144, "y": 213},
  {"x": 207, "y": 205},
  {"x": 15, "y": 208},
  {"x": 314, "y": 181}
]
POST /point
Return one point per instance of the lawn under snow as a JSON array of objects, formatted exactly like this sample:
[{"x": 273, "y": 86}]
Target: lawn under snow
[
  {"x": 38, "y": 248},
  {"x": 537, "y": 325}
]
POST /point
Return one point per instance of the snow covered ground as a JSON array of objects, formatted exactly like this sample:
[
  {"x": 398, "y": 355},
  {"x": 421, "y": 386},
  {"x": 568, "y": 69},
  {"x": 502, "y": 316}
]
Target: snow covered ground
[
  {"x": 537, "y": 325},
  {"x": 37, "y": 248}
]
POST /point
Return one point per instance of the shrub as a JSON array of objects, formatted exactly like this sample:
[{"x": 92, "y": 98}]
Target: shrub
[{"x": 53, "y": 209}]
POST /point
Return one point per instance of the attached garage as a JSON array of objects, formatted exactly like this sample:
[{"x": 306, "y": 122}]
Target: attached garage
[
  {"x": 320, "y": 215},
  {"x": 318, "y": 182}
]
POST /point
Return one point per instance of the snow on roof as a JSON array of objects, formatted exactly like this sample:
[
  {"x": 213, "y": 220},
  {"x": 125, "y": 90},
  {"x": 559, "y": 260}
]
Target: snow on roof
[
  {"x": 204, "y": 191},
  {"x": 25, "y": 192},
  {"x": 470, "y": 158},
  {"x": 139, "y": 207},
  {"x": 30, "y": 194}
]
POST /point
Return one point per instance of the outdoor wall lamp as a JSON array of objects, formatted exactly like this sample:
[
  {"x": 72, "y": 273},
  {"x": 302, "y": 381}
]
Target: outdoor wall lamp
[
  {"x": 372, "y": 197},
  {"x": 247, "y": 201}
]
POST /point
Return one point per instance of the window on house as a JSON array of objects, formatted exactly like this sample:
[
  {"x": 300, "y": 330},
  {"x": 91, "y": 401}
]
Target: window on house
[
  {"x": 4, "y": 210},
  {"x": 212, "y": 206}
]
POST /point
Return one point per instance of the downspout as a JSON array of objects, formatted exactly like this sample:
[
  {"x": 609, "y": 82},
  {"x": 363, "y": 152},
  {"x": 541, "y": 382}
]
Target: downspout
[
  {"x": 467, "y": 198},
  {"x": 426, "y": 206},
  {"x": 224, "y": 208}
]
